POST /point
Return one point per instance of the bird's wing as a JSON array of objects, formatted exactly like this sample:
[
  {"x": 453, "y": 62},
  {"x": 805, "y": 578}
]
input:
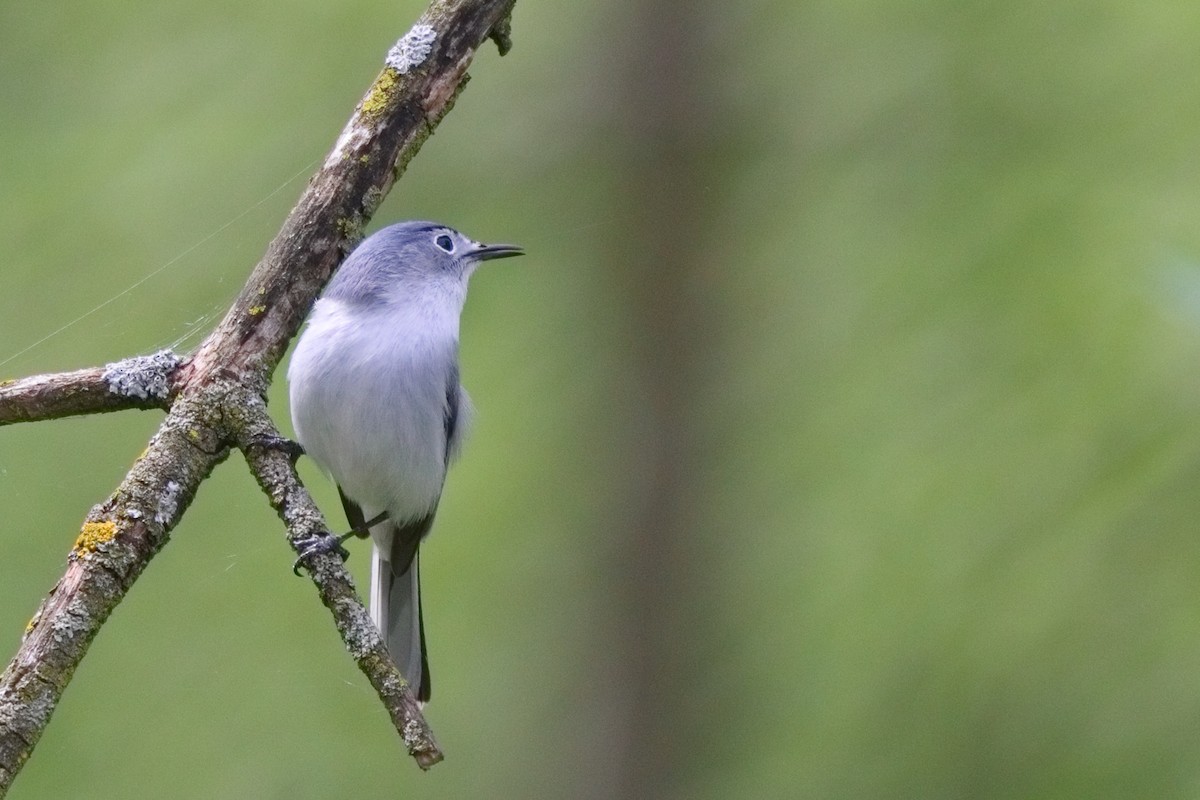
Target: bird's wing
[
  {"x": 458, "y": 416},
  {"x": 451, "y": 420}
]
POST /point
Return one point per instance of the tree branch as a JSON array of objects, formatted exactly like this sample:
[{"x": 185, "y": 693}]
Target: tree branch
[
  {"x": 392, "y": 121},
  {"x": 116, "y": 542},
  {"x": 216, "y": 396},
  {"x": 276, "y": 473},
  {"x": 138, "y": 382}
]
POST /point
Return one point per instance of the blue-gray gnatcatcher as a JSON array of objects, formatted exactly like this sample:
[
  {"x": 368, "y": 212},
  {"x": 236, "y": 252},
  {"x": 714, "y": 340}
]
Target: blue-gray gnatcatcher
[{"x": 377, "y": 403}]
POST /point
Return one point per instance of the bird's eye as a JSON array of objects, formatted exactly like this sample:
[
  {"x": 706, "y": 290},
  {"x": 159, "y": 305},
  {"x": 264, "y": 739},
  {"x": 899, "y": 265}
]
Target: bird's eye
[{"x": 445, "y": 243}]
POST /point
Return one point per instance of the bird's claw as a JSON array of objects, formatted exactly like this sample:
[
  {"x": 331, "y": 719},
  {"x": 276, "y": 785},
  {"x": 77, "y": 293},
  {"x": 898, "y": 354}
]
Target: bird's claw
[
  {"x": 270, "y": 441},
  {"x": 318, "y": 544}
]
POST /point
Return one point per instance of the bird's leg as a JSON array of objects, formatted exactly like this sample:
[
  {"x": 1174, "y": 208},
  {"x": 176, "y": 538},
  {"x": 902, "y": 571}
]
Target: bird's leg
[
  {"x": 270, "y": 441},
  {"x": 325, "y": 542},
  {"x": 364, "y": 530}
]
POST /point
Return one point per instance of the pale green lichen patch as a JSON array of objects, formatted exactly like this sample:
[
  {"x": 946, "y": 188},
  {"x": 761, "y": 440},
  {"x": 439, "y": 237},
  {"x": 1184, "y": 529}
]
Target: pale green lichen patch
[
  {"x": 350, "y": 228},
  {"x": 256, "y": 310},
  {"x": 381, "y": 92},
  {"x": 92, "y": 536},
  {"x": 371, "y": 200}
]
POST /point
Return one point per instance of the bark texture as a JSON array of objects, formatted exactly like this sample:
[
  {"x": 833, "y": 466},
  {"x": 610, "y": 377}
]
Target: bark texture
[{"x": 214, "y": 398}]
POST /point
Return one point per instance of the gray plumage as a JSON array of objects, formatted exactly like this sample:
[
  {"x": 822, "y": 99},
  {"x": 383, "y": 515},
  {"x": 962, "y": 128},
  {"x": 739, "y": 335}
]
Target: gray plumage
[{"x": 376, "y": 402}]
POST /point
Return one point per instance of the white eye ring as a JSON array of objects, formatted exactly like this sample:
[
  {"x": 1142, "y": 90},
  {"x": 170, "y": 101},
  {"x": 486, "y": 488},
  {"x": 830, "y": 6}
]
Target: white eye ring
[{"x": 445, "y": 242}]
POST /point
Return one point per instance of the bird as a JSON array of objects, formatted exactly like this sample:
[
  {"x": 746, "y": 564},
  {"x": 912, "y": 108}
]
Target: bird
[{"x": 377, "y": 403}]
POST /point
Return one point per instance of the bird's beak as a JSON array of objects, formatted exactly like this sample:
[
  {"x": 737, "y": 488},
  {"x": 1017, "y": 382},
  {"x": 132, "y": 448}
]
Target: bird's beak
[{"x": 486, "y": 252}]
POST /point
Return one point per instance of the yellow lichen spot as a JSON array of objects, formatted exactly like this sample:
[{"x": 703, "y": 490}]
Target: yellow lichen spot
[
  {"x": 377, "y": 99},
  {"x": 193, "y": 434},
  {"x": 33, "y": 621},
  {"x": 256, "y": 310},
  {"x": 92, "y": 535},
  {"x": 364, "y": 159},
  {"x": 262, "y": 290}
]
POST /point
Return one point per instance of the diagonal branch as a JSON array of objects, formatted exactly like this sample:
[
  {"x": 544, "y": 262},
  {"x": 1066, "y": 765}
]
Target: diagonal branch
[
  {"x": 116, "y": 542},
  {"x": 216, "y": 396},
  {"x": 276, "y": 473},
  {"x": 392, "y": 121}
]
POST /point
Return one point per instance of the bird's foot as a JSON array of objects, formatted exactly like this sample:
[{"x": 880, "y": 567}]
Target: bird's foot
[
  {"x": 270, "y": 441},
  {"x": 318, "y": 544}
]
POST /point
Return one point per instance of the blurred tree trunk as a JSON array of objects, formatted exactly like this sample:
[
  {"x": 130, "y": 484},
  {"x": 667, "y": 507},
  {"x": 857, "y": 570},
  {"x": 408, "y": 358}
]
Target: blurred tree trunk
[{"x": 663, "y": 576}]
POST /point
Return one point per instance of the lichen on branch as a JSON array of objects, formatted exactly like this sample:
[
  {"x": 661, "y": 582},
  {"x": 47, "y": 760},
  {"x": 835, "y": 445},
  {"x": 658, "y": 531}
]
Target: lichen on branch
[{"x": 214, "y": 398}]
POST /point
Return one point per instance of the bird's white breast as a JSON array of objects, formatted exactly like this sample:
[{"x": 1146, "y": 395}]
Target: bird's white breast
[{"x": 368, "y": 396}]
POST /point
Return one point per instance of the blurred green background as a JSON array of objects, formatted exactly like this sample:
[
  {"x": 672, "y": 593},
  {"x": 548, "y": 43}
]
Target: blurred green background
[{"x": 837, "y": 438}]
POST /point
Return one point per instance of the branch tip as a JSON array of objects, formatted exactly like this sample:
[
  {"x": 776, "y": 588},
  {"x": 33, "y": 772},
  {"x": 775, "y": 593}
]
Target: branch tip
[{"x": 501, "y": 34}]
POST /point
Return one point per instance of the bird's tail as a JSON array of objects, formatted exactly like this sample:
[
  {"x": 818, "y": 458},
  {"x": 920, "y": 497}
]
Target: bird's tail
[{"x": 396, "y": 611}]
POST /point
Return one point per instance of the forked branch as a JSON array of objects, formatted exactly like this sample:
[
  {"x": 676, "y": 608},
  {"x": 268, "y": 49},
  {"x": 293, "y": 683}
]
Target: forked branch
[{"x": 214, "y": 398}]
